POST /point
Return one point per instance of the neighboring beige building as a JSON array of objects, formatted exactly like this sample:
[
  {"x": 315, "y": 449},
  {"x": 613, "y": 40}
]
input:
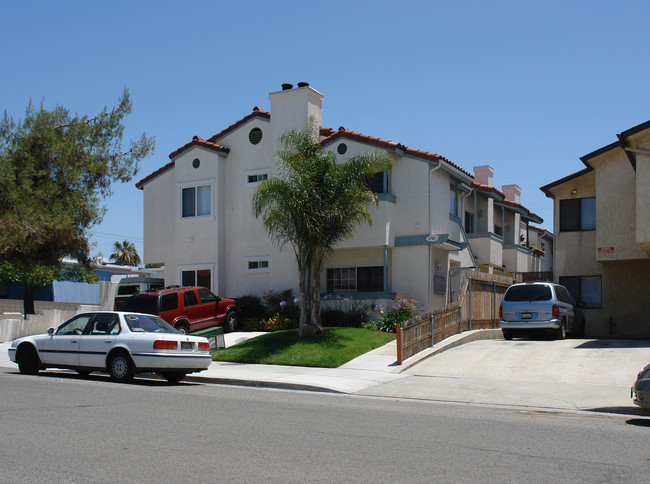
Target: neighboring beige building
[
  {"x": 198, "y": 220},
  {"x": 602, "y": 234}
]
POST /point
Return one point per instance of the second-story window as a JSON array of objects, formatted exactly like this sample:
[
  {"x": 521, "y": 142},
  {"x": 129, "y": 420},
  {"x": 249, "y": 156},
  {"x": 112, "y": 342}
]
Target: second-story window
[
  {"x": 376, "y": 183},
  {"x": 577, "y": 214},
  {"x": 196, "y": 201},
  {"x": 257, "y": 177}
]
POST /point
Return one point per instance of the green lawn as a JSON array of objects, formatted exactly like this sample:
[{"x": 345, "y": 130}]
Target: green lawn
[{"x": 330, "y": 349}]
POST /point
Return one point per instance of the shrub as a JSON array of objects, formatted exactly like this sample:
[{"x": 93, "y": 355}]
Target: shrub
[
  {"x": 278, "y": 322},
  {"x": 402, "y": 309},
  {"x": 250, "y": 307}
]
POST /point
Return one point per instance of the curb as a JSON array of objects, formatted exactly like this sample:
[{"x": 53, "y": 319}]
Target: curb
[{"x": 261, "y": 384}]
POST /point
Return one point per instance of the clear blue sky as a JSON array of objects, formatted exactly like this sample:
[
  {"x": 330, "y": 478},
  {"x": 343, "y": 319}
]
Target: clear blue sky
[{"x": 527, "y": 87}]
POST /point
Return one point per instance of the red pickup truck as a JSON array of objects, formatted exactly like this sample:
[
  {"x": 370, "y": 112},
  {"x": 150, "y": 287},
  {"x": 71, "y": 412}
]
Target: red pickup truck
[{"x": 188, "y": 309}]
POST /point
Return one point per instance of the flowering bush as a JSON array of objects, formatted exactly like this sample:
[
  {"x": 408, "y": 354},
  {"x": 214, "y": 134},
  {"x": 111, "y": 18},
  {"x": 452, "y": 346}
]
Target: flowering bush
[
  {"x": 276, "y": 323},
  {"x": 344, "y": 310},
  {"x": 402, "y": 309}
]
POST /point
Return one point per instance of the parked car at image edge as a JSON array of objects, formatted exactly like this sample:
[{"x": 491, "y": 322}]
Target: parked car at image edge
[
  {"x": 547, "y": 306},
  {"x": 640, "y": 391},
  {"x": 120, "y": 343},
  {"x": 188, "y": 309}
]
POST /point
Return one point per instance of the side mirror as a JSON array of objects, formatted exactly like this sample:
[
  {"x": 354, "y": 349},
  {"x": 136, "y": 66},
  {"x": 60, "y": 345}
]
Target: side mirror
[{"x": 50, "y": 331}]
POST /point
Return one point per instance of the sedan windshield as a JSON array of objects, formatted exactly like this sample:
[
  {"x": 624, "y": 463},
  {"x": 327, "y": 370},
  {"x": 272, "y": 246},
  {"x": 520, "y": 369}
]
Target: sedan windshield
[
  {"x": 139, "y": 323},
  {"x": 528, "y": 292}
]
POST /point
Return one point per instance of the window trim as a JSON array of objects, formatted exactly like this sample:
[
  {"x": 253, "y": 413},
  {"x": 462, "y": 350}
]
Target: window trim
[
  {"x": 356, "y": 279},
  {"x": 578, "y": 297},
  {"x": 195, "y": 184},
  {"x": 196, "y": 268},
  {"x": 264, "y": 172},
  {"x": 566, "y": 225},
  {"x": 258, "y": 259}
]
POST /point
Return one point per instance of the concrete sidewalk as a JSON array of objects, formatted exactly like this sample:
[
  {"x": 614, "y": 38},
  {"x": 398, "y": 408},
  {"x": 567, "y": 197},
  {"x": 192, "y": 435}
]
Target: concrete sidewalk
[{"x": 377, "y": 374}]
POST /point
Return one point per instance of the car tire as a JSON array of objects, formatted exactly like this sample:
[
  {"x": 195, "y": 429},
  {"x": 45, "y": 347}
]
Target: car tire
[
  {"x": 560, "y": 333},
  {"x": 173, "y": 376},
  {"x": 121, "y": 367},
  {"x": 231, "y": 323},
  {"x": 183, "y": 327},
  {"x": 28, "y": 361},
  {"x": 508, "y": 334}
]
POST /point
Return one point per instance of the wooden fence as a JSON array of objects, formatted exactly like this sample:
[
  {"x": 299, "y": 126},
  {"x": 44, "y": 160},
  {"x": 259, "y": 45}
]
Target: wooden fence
[{"x": 477, "y": 308}]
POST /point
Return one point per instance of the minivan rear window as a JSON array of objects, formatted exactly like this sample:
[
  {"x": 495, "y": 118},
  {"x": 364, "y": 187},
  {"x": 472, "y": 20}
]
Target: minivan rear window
[{"x": 528, "y": 292}]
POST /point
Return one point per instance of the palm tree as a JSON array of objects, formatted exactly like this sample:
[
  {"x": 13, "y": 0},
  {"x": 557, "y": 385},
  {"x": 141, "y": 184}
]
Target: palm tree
[
  {"x": 125, "y": 254},
  {"x": 314, "y": 205}
]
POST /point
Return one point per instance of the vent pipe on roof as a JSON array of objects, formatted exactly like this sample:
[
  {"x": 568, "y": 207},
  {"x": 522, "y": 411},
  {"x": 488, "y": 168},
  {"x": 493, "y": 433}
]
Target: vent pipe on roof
[
  {"x": 303, "y": 84},
  {"x": 286, "y": 86}
]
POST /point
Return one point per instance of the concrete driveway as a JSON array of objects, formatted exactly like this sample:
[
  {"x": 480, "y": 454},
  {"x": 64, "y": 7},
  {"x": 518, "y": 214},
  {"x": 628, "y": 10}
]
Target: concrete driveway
[{"x": 569, "y": 374}]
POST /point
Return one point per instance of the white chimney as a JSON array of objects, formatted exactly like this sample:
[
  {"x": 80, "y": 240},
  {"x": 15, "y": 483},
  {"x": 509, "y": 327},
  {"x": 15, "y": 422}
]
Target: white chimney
[
  {"x": 291, "y": 108},
  {"x": 484, "y": 175},
  {"x": 512, "y": 193}
]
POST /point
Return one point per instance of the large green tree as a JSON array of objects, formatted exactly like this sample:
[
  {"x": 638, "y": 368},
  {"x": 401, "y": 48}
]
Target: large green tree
[
  {"x": 125, "y": 254},
  {"x": 314, "y": 205},
  {"x": 55, "y": 169}
]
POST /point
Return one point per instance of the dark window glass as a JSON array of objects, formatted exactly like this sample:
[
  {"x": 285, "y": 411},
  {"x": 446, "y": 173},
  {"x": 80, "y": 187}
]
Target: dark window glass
[
  {"x": 168, "y": 302},
  {"x": 584, "y": 289},
  {"x": 131, "y": 289},
  {"x": 577, "y": 214},
  {"x": 376, "y": 183},
  {"x": 528, "y": 292},
  {"x": 469, "y": 222},
  {"x": 189, "y": 298},
  {"x": 143, "y": 303},
  {"x": 206, "y": 296},
  {"x": 203, "y": 278},
  {"x": 370, "y": 279},
  {"x": 188, "y": 278},
  {"x": 188, "y": 202},
  {"x": 498, "y": 229}
]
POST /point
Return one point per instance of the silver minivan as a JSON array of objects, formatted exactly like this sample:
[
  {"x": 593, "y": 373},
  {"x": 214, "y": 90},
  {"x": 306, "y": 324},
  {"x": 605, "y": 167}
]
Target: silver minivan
[{"x": 537, "y": 306}]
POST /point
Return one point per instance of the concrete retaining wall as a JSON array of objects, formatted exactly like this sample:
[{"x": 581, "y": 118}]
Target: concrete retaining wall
[{"x": 13, "y": 325}]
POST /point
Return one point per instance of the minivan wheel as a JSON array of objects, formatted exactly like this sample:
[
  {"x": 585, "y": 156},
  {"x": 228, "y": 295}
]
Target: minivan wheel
[
  {"x": 507, "y": 334},
  {"x": 561, "y": 331}
]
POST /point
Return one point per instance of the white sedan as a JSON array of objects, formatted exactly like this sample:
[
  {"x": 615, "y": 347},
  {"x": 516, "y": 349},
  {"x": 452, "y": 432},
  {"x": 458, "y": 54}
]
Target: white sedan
[{"x": 120, "y": 343}]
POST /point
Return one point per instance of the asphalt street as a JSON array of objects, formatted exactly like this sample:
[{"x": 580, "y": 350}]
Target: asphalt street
[{"x": 58, "y": 427}]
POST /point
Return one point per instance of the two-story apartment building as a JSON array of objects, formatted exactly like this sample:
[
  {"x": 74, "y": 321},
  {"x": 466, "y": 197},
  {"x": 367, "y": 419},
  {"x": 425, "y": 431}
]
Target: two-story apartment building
[
  {"x": 198, "y": 220},
  {"x": 602, "y": 234},
  {"x": 498, "y": 226}
]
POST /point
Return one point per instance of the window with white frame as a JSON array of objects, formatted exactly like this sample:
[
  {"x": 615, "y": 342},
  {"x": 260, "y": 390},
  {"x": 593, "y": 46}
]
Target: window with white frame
[
  {"x": 196, "y": 200},
  {"x": 257, "y": 264},
  {"x": 257, "y": 176},
  {"x": 196, "y": 277}
]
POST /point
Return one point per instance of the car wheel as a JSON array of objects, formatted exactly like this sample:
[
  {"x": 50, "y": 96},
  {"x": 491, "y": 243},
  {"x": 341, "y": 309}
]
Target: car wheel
[
  {"x": 183, "y": 328},
  {"x": 173, "y": 376},
  {"x": 507, "y": 334},
  {"x": 120, "y": 367},
  {"x": 232, "y": 322},
  {"x": 561, "y": 331},
  {"x": 28, "y": 361}
]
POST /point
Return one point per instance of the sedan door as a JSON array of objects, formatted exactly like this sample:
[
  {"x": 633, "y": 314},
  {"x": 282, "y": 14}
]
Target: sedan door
[
  {"x": 98, "y": 340},
  {"x": 62, "y": 347}
]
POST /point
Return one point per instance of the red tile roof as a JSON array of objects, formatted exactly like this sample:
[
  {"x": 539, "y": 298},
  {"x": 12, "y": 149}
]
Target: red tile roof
[
  {"x": 330, "y": 135},
  {"x": 484, "y": 188},
  {"x": 196, "y": 141},
  {"x": 209, "y": 143},
  {"x": 257, "y": 113}
]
